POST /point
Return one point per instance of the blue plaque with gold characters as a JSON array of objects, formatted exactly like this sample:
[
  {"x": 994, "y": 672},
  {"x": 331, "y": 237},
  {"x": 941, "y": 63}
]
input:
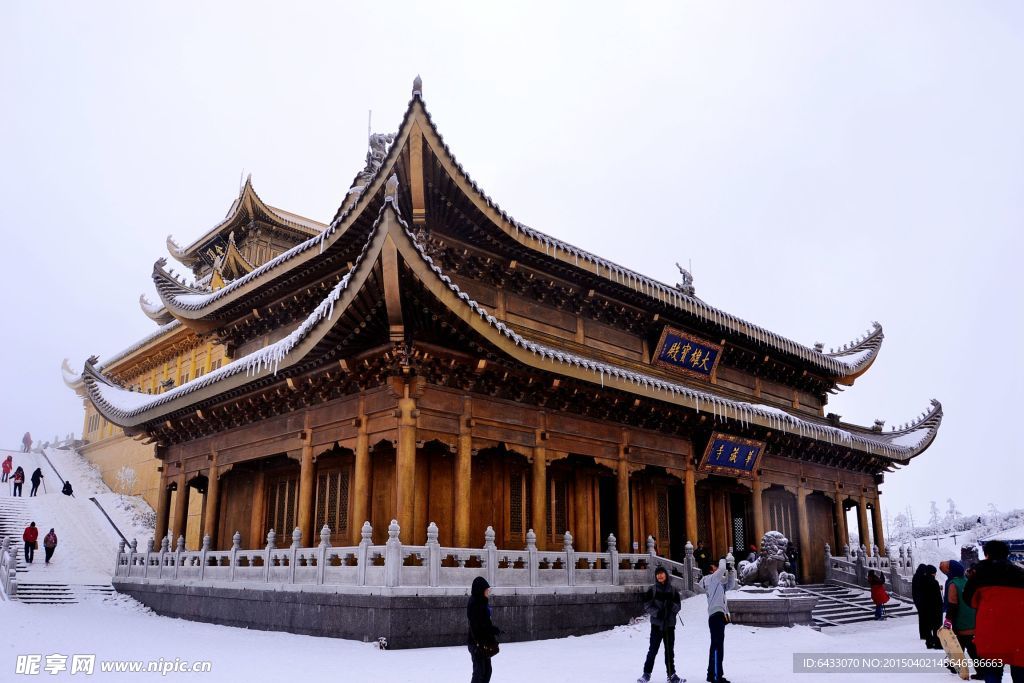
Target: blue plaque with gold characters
[
  {"x": 686, "y": 353},
  {"x": 731, "y": 455}
]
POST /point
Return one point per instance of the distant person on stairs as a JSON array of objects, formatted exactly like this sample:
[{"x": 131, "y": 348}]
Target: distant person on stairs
[
  {"x": 67, "y": 490},
  {"x": 31, "y": 537},
  {"x": 7, "y": 467},
  {"x": 19, "y": 480},
  {"x": 49, "y": 545},
  {"x": 26, "y": 443},
  {"x": 879, "y": 595},
  {"x": 37, "y": 477}
]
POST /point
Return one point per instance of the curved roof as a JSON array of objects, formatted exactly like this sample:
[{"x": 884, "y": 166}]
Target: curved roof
[
  {"x": 246, "y": 204},
  {"x": 129, "y": 408},
  {"x": 154, "y": 312},
  {"x": 188, "y": 303}
]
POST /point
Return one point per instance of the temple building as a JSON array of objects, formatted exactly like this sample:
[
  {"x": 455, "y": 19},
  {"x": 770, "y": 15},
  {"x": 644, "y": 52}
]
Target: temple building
[{"x": 425, "y": 357}]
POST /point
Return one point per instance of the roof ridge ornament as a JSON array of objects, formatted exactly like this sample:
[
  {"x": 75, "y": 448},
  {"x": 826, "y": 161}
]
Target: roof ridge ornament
[
  {"x": 417, "y": 86},
  {"x": 685, "y": 285}
]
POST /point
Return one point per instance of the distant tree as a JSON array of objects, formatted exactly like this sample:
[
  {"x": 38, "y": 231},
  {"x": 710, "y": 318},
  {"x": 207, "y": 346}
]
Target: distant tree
[
  {"x": 900, "y": 525},
  {"x": 933, "y": 516}
]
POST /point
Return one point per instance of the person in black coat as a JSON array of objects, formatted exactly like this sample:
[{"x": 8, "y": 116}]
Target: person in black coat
[
  {"x": 928, "y": 601},
  {"x": 701, "y": 558},
  {"x": 483, "y": 635},
  {"x": 37, "y": 477},
  {"x": 67, "y": 490},
  {"x": 662, "y": 606}
]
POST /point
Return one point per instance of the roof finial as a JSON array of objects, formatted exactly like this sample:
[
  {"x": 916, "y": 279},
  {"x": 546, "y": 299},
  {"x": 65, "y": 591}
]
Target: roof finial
[{"x": 417, "y": 86}]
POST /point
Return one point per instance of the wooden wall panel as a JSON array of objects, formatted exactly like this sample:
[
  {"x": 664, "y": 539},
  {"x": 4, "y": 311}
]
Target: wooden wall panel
[{"x": 236, "y": 492}]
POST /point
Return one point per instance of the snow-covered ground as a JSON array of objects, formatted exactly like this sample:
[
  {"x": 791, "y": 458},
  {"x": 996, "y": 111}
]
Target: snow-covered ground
[
  {"x": 86, "y": 541},
  {"x": 120, "y": 629}
]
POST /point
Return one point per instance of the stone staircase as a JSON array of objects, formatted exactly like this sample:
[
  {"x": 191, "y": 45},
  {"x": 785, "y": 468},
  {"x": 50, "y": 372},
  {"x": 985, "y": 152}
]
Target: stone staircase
[
  {"x": 839, "y": 605},
  {"x": 14, "y": 517}
]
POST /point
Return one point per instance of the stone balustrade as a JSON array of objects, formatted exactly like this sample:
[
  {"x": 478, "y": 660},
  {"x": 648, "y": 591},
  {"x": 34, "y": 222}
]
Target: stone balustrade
[
  {"x": 853, "y": 565},
  {"x": 395, "y": 564}
]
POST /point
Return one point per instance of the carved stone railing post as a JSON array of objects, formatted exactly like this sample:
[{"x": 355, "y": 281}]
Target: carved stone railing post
[
  {"x": 268, "y": 553},
  {"x": 149, "y": 554},
  {"x": 652, "y": 559},
  {"x": 531, "y": 554},
  {"x": 202, "y": 556},
  {"x": 393, "y": 556},
  {"x": 236, "y": 545},
  {"x": 177, "y": 554},
  {"x": 363, "y": 553},
  {"x": 688, "y": 563},
  {"x": 321, "y": 558},
  {"x": 828, "y": 562},
  {"x": 296, "y": 542},
  {"x": 433, "y": 556},
  {"x": 846, "y": 553},
  {"x": 117, "y": 563},
  {"x": 491, "y": 554},
  {"x": 859, "y": 567},
  {"x": 165, "y": 544},
  {"x": 570, "y": 559},
  {"x": 613, "y": 559}
]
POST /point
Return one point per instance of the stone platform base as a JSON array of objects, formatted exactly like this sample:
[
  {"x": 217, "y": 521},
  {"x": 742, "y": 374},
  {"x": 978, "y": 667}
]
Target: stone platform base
[
  {"x": 771, "y": 610},
  {"x": 407, "y": 619}
]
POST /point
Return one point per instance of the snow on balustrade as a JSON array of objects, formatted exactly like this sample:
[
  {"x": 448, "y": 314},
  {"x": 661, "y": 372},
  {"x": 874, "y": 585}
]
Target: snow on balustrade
[{"x": 392, "y": 565}]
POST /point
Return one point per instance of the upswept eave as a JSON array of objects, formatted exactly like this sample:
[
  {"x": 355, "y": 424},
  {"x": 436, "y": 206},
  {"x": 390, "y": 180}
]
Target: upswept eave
[
  {"x": 544, "y": 357},
  {"x": 247, "y": 204},
  {"x": 154, "y": 312},
  {"x": 130, "y": 409},
  {"x": 839, "y": 365}
]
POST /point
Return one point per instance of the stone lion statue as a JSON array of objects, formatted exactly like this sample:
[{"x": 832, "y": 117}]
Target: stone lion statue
[{"x": 767, "y": 569}]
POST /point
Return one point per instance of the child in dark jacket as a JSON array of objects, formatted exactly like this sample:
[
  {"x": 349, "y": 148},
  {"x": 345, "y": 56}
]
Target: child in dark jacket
[{"x": 663, "y": 604}]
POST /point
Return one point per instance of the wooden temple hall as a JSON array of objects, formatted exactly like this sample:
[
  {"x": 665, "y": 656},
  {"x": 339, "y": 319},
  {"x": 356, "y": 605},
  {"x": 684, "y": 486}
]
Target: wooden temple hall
[{"x": 425, "y": 357}]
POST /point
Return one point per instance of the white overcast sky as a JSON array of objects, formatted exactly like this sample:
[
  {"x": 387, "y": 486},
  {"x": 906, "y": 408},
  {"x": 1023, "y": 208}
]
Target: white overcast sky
[{"x": 822, "y": 165}]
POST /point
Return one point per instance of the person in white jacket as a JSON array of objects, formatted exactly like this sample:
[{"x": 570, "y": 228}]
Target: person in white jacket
[{"x": 715, "y": 584}]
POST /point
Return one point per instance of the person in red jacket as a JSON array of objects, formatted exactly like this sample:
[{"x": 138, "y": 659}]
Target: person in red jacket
[
  {"x": 879, "y": 595},
  {"x": 7, "y": 467},
  {"x": 30, "y": 537},
  {"x": 996, "y": 591}
]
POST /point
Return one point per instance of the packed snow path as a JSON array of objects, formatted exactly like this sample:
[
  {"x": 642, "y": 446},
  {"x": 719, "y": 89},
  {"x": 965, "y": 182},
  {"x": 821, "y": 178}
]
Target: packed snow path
[{"x": 85, "y": 540}]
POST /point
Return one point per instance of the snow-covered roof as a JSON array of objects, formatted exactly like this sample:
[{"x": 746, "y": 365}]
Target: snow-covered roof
[
  {"x": 246, "y": 201},
  {"x": 118, "y": 403}
]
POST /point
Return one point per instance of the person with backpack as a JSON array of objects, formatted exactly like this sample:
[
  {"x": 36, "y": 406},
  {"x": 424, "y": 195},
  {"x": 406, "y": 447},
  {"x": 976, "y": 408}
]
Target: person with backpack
[
  {"x": 37, "y": 477},
  {"x": 19, "y": 481},
  {"x": 7, "y": 467},
  {"x": 879, "y": 595},
  {"x": 715, "y": 584},
  {"x": 49, "y": 545},
  {"x": 662, "y": 605},
  {"x": 26, "y": 443},
  {"x": 996, "y": 592},
  {"x": 483, "y": 634},
  {"x": 31, "y": 536},
  {"x": 959, "y": 615}
]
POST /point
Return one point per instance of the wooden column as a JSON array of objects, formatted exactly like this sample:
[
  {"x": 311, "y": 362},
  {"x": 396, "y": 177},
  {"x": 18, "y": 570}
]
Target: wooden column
[
  {"x": 180, "y": 508},
  {"x": 805, "y": 532},
  {"x": 539, "y": 488},
  {"x": 405, "y": 464},
  {"x": 758, "y": 509},
  {"x": 463, "y": 478},
  {"x": 842, "y": 535},
  {"x": 623, "y": 532},
  {"x": 876, "y": 519},
  {"x": 361, "y": 478},
  {"x": 690, "y": 494},
  {"x": 211, "y": 501},
  {"x": 163, "y": 510},
  {"x": 306, "y": 484},
  {"x": 257, "y": 521},
  {"x": 580, "y": 499},
  {"x": 862, "y": 523}
]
